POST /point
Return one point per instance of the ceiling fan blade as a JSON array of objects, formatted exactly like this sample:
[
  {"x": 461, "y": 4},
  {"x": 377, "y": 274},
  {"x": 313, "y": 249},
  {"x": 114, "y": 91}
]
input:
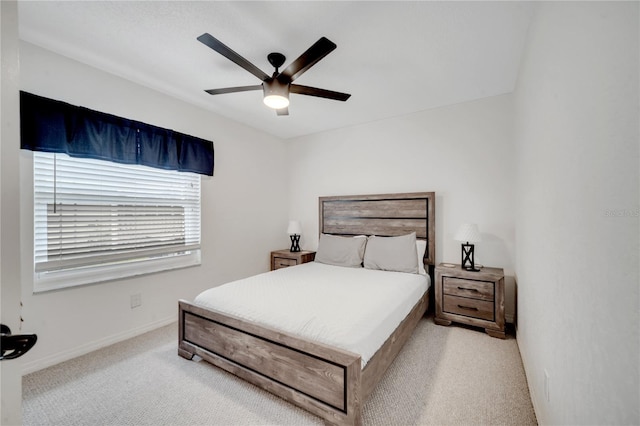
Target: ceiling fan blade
[
  {"x": 321, "y": 93},
  {"x": 234, "y": 89},
  {"x": 225, "y": 51},
  {"x": 319, "y": 50},
  {"x": 283, "y": 111}
]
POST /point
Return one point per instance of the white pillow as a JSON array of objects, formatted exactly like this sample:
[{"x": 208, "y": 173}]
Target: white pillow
[
  {"x": 340, "y": 251},
  {"x": 392, "y": 253},
  {"x": 421, "y": 247}
]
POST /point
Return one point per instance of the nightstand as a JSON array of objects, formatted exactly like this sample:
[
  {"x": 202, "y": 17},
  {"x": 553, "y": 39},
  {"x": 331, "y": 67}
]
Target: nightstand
[
  {"x": 472, "y": 298},
  {"x": 284, "y": 258}
]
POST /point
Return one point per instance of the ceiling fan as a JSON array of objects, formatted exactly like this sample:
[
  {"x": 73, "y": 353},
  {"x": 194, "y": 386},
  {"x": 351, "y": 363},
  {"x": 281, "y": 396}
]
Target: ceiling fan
[{"x": 277, "y": 87}]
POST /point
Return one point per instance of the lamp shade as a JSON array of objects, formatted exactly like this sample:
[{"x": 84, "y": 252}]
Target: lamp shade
[
  {"x": 468, "y": 232},
  {"x": 294, "y": 228}
]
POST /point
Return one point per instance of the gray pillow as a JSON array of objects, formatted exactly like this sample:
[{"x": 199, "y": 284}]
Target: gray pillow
[
  {"x": 341, "y": 251},
  {"x": 392, "y": 253}
]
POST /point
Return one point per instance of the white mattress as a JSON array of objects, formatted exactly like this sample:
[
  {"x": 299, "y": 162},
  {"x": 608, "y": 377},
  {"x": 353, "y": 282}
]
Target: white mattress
[{"x": 355, "y": 309}]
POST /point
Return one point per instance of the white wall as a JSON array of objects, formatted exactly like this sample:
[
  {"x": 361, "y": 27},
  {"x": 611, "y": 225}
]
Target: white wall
[
  {"x": 243, "y": 218},
  {"x": 10, "y": 370},
  {"x": 577, "y": 146},
  {"x": 462, "y": 152}
]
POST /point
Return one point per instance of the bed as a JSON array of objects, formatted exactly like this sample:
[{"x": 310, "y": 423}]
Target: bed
[{"x": 325, "y": 377}]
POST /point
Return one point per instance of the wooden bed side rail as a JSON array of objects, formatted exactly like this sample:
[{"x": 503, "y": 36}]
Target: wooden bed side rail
[
  {"x": 384, "y": 357},
  {"x": 321, "y": 379}
]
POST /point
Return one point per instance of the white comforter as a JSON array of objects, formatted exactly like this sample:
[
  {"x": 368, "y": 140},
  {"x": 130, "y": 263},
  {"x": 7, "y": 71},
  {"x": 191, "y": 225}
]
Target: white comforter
[{"x": 355, "y": 309}]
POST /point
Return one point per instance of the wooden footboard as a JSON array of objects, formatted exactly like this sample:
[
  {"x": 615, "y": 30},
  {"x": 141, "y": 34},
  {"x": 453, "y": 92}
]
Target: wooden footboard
[{"x": 321, "y": 379}]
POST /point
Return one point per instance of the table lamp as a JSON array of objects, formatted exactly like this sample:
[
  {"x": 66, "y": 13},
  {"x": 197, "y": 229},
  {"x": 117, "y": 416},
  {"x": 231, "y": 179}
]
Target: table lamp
[
  {"x": 468, "y": 234},
  {"x": 294, "y": 230}
]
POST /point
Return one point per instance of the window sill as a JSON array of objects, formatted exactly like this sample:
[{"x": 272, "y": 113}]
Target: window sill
[{"x": 58, "y": 280}]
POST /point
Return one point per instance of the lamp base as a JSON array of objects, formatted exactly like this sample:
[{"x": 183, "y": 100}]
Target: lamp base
[
  {"x": 467, "y": 258},
  {"x": 295, "y": 243}
]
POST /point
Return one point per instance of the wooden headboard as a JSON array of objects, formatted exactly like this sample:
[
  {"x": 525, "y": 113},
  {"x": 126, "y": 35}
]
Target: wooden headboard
[{"x": 382, "y": 214}]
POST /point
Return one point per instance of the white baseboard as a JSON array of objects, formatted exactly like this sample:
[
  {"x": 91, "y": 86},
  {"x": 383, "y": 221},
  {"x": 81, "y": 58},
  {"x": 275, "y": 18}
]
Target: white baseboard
[{"x": 48, "y": 361}]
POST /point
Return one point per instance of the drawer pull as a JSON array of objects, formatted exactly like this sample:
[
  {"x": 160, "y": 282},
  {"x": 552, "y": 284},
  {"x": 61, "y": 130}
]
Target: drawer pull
[
  {"x": 468, "y": 289},
  {"x": 467, "y": 308}
]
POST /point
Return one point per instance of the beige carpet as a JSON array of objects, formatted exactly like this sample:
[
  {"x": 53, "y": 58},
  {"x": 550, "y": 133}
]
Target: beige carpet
[{"x": 444, "y": 375}]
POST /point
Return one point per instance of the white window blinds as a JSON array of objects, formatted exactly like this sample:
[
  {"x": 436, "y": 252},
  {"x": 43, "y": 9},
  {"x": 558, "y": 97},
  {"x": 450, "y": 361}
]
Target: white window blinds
[{"x": 92, "y": 213}]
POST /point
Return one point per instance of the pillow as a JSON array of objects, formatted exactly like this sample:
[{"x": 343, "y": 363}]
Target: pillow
[
  {"x": 392, "y": 253},
  {"x": 421, "y": 247},
  {"x": 340, "y": 251}
]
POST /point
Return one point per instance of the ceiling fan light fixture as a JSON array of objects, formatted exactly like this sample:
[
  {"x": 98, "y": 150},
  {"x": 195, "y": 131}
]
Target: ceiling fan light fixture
[
  {"x": 276, "y": 101},
  {"x": 276, "y": 94}
]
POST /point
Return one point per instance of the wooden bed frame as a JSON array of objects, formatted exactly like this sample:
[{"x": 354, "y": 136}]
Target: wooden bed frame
[{"x": 326, "y": 381}]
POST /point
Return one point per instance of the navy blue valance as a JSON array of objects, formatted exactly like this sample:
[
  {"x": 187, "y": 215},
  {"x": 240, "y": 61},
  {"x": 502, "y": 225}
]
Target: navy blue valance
[{"x": 54, "y": 126}]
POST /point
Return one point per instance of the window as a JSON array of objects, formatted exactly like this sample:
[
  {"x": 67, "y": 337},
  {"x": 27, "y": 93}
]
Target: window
[{"x": 98, "y": 220}]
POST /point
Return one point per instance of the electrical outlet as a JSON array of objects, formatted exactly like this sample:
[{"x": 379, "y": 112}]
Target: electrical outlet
[
  {"x": 546, "y": 386},
  {"x": 136, "y": 300}
]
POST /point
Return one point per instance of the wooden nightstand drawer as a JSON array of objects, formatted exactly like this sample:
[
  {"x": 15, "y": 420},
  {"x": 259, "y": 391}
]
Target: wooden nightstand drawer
[
  {"x": 469, "y": 307},
  {"x": 286, "y": 258},
  {"x": 281, "y": 262},
  {"x": 482, "y": 290}
]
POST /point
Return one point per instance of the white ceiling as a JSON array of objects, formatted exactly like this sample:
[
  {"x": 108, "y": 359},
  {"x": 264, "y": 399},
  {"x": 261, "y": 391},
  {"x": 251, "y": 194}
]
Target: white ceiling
[{"x": 394, "y": 58}]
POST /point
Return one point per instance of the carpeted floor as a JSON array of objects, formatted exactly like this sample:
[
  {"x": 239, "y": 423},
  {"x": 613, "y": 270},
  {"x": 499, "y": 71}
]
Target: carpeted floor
[{"x": 444, "y": 375}]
